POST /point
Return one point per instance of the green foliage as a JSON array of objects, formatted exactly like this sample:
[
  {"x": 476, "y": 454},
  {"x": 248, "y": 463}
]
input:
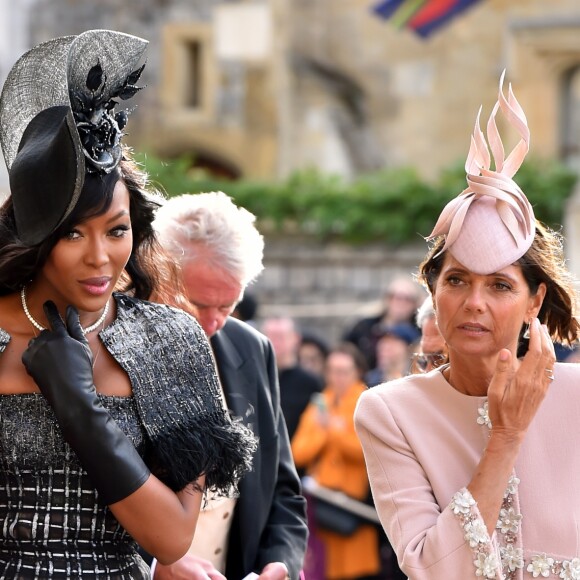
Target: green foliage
[{"x": 394, "y": 206}]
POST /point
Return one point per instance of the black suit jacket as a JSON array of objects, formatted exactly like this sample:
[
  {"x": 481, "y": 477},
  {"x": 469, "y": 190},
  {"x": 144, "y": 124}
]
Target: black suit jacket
[{"x": 269, "y": 523}]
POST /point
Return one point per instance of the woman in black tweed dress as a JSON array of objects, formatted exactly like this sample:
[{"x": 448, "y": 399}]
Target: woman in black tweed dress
[{"x": 111, "y": 418}]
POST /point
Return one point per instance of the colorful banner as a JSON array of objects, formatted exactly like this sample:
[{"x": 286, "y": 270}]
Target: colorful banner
[{"x": 422, "y": 16}]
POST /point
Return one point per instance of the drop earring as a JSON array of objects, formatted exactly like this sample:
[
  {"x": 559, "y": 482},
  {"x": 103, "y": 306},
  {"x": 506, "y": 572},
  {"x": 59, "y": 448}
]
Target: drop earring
[{"x": 526, "y": 334}]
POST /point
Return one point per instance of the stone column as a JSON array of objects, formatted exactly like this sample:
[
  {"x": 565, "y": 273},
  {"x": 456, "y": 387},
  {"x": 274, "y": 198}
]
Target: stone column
[{"x": 572, "y": 232}]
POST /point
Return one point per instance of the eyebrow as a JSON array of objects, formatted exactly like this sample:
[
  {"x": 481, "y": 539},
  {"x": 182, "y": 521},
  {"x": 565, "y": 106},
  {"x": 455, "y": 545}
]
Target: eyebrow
[
  {"x": 456, "y": 270},
  {"x": 504, "y": 275},
  {"x": 121, "y": 214}
]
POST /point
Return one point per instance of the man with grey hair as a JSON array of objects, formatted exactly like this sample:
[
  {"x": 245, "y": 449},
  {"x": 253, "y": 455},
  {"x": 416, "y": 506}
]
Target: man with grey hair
[
  {"x": 263, "y": 530},
  {"x": 219, "y": 249},
  {"x": 432, "y": 348}
]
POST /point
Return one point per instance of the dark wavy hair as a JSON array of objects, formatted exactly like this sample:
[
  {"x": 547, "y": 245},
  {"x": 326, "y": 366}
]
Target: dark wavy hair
[
  {"x": 150, "y": 271},
  {"x": 543, "y": 262}
]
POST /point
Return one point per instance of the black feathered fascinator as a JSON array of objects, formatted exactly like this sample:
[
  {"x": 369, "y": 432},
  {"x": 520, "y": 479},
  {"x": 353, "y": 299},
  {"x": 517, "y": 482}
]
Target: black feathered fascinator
[{"x": 58, "y": 122}]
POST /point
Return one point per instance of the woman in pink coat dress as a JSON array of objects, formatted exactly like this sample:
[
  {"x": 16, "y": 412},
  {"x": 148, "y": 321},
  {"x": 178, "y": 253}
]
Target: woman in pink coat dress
[{"x": 475, "y": 466}]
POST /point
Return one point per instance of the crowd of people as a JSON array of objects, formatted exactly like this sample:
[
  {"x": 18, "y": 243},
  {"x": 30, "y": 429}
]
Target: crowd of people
[
  {"x": 153, "y": 426},
  {"x": 320, "y": 384}
]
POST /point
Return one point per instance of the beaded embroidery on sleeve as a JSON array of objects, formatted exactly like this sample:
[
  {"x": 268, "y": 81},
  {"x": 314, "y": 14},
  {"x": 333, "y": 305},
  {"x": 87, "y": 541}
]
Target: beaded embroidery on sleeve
[{"x": 508, "y": 539}]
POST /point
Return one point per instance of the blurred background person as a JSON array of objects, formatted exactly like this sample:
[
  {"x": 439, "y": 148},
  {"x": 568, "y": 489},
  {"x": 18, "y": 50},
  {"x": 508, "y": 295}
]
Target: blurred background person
[
  {"x": 263, "y": 530},
  {"x": 246, "y": 309},
  {"x": 326, "y": 446},
  {"x": 312, "y": 353},
  {"x": 401, "y": 300},
  {"x": 393, "y": 353},
  {"x": 565, "y": 353},
  {"x": 432, "y": 352},
  {"x": 297, "y": 385}
]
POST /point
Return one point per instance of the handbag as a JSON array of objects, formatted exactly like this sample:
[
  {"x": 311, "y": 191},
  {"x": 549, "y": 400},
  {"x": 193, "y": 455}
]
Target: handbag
[
  {"x": 333, "y": 518},
  {"x": 335, "y": 511}
]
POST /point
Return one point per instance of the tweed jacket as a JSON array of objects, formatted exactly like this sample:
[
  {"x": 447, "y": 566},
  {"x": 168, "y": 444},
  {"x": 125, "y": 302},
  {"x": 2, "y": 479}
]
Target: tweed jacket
[
  {"x": 53, "y": 521},
  {"x": 169, "y": 362}
]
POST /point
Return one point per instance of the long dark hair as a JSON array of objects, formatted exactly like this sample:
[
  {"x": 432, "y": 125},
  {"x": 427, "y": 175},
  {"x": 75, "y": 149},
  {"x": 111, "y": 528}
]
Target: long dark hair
[{"x": 149, "y": 271}]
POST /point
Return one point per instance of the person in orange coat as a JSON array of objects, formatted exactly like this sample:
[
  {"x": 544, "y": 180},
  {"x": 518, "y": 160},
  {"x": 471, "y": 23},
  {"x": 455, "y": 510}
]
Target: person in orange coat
[{"x": 326, "y": 445}]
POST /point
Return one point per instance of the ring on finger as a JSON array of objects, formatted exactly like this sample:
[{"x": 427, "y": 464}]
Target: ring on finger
[{"x": 550, "y": 374}]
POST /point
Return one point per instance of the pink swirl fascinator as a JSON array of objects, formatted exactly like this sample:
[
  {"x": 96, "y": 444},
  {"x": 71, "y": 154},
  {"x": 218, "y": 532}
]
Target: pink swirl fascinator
[{"x": 491, "y": 223}]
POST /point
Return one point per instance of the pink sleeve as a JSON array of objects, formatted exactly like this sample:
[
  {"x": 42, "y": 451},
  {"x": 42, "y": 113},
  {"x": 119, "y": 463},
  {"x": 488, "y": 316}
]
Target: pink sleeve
[{"x": 431, "y": 542}]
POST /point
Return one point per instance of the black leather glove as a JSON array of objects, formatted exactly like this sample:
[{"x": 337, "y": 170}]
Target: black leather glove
[{"x": 60, "y": 362}]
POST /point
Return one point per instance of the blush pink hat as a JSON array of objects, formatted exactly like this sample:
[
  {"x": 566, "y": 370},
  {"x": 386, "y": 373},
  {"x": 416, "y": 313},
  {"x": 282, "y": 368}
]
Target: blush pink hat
[{"x": 491, "y": 223}]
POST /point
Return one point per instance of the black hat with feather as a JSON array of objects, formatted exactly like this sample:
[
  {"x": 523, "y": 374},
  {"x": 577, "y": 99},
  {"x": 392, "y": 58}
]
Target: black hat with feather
[{"x": 58, "y": 122}]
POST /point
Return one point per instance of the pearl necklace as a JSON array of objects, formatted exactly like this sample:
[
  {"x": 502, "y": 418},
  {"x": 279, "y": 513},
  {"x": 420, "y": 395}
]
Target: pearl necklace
[{"x": 41, "y": 328}]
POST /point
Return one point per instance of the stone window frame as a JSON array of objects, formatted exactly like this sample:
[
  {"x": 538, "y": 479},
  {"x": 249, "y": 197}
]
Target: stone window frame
[
  {"x": 176, "y": 42},
  {"x": 543, "y": 52},
  {"x": 569, "y": 135},
  {"x": 540, "y": 53}
]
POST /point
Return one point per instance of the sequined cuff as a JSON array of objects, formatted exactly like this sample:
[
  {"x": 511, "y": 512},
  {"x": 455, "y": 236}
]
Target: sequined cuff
[{"x": 486, "y": 562}]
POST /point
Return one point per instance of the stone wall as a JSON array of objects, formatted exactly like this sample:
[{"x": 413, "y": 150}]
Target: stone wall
[
  {"x": 329, "y": 84},
  {"x": 327, "y": 286},
  {"x": 413, "y": 101}
]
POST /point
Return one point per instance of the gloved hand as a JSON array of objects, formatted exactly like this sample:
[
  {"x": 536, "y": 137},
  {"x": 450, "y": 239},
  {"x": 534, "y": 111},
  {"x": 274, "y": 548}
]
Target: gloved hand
[{"x": 60, "y": 362}]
